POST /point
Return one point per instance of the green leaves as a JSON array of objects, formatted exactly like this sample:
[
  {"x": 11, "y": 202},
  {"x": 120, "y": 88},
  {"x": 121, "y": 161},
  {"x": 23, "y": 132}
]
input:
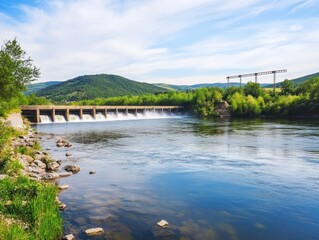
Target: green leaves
[{"x": 16, "y": 70}]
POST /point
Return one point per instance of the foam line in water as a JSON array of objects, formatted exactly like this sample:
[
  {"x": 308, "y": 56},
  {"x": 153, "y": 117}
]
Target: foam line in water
[{"x": 112, "y": 116}]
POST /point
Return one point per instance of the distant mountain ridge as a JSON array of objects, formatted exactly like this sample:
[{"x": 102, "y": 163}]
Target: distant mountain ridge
[
  {"x": 96, "y": 86},
  {"x": 34, "y": 87}
]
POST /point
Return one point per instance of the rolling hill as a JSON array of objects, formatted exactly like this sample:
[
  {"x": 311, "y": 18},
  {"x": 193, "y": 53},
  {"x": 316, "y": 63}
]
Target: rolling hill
[
  {"x": 95, "y": 86},
  {"x": 299, "y": 80}
]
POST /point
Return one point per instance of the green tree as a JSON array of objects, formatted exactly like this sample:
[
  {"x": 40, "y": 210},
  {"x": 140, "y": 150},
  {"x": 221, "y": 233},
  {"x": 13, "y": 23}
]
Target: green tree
[
  {"x": 287, "y": 88},
  {"x": 16, "y": 70},
  {"x": 253, "y": 89}
]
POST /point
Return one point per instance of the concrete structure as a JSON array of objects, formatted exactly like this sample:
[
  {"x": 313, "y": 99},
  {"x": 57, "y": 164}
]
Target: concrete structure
[{"x": 34, "y": 112}]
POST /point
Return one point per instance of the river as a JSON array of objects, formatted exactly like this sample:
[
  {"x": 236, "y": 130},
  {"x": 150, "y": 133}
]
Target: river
[{"x": 214, "y": 179}]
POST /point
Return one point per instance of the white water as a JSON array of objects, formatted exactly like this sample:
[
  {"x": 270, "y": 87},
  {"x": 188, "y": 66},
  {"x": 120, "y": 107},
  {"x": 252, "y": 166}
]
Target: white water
[
  {"x": 74, "y": 118},
  {"x": 45, "y": 119},
  {"x": 59, "y": 118},
  {"x": 110, "y": 117}
]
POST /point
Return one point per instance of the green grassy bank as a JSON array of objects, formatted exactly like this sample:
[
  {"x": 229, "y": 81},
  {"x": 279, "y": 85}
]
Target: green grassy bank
[{"x": 27, "y": 207}]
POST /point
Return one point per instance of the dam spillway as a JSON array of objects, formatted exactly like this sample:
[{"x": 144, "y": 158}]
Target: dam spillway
[{"x": 62, "y": 113}]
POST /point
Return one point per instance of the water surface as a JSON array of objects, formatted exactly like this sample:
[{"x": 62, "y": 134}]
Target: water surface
[{"x": 240, "y": 179}]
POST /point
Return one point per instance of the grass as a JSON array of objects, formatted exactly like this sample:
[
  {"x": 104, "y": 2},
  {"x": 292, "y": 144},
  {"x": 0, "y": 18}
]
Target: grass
[
  {"x": 33, "y": 203},
  {"x": 25, "y": 202}
]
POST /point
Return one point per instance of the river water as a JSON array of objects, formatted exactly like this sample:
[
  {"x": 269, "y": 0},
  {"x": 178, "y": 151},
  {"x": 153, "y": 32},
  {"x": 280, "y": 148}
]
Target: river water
[{"x": 216, "y": 179}]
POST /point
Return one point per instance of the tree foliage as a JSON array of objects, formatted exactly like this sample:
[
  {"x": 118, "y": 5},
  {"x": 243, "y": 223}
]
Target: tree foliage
[{"x": 16, "y": 70}]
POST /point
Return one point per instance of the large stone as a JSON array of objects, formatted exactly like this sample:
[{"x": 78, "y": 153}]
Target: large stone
[
  {"x": 68, "y": 237},
  {"x": 50, "y": 176},
  {"x": 63, "y": 187},
  {"x": 60, "y": 144},
  {"x": 53, "y": 166},
  {"x": 40, "y": 164},
  {"x": 72, "y": 168},
  {"x": 65, "y": 174},
  {"x": 68, "y": 154},
  {"x": 94, "y": 231},
  {"x": 28, "y": 158},
  {"x": 162, "y": 223},
  {"x": 35, "y": 169}
]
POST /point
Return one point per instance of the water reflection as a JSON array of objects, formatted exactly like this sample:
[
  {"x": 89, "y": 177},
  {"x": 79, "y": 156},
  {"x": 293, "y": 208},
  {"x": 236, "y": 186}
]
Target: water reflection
[{"x": 239, "y": 179}]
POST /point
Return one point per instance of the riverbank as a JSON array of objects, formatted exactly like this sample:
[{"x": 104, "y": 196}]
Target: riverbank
[{"x": 28, "y": 205}]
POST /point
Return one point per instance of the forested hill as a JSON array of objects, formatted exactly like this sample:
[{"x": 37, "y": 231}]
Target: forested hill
[{"x": 96, "y": 86}]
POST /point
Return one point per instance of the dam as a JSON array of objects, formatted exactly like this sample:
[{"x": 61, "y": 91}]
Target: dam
[{"x": 65, "y": 113}]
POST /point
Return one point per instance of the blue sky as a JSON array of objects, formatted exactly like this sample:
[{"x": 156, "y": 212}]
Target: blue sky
[{"x": 177, "y": 42}]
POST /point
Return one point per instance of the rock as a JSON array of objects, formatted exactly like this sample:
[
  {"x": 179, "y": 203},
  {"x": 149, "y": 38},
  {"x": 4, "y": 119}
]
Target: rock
[
  {"x": 3, "y": 176},
  {"x": 48, "y": 149},
  {"x": 62, "y": 206},
  {"x": 68, "y": 145},
  {"x": 68, "y": 154},
  {"x": 72, "y": 168},
  {"x": 65, "y": 174},
  {"x": 162, "y": 223},
  {"x": 53, "y": 166},
  {"x": 63, "y": 187},
  {"x": 68, "y": 237},
  {"x": 57, "y": 200},
  {"x": 92, "y": 172},
  {"x": 50, "y": 176},
  {"x": 35, "y": 169},
  {"x": 60, "y": 144},
  {"x": 28, "y": 158},
  {"x": 40, "y": 164},
  {"x": 22, "y": 137},
  {"x": 59, "y": 162},
  {"x": 94, "y": 231}
]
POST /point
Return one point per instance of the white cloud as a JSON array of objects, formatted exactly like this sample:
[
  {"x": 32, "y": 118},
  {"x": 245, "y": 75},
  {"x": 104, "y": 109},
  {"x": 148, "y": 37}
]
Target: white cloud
[{"x": 148, "y": 40}]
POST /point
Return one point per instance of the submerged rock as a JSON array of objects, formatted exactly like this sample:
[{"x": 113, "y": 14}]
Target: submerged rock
[
  {"x": 68, "y": 154},
  {"x": 92, "y": 172},
  {"x": 94, "y": 231}
]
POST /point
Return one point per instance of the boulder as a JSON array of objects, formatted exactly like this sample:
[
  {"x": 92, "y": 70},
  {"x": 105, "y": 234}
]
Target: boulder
[
  {"x": 50, "y": 176},
  {"x": 27, "y": 158},
  {"x": 68, "y": 154},
  {"x": 40, "y": 164},
  {"x": 60, "y": 144},
  {"x": 162, "y": 223},
  {"x": 68, "y": 145},
  {"x": 92, "y": 172},
  {"x": 65, "y": 174},
  {"x": 72, "y": 168},
  {"x": 62, "y": 206},
  {"x": 94, "y": 231},
  {"x": 63, "y": 187},
  {"x": 59, "y": 162},
  {"x": 68, "y": 237},
  {"x": 35, "y": 169},
  {"x": 53, "y": 166}
]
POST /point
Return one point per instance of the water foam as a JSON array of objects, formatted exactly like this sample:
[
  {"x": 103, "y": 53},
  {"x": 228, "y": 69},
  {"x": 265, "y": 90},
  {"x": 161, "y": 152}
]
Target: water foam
[{"x": 112, "y": 116}]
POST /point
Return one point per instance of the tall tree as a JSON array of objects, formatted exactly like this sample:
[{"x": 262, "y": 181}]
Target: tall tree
[
  {"x": 16, "y": 70},
  {"x": 287, "y": 87}
]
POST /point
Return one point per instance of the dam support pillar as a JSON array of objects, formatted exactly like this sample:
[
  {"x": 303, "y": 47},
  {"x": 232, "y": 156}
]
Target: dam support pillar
[
  {"x": 105, "y": 112},
  {"x": 94, "y": 113},
  {"x": 81, "y": 113},
  {"x": 37, "y": 115},
  {"x": 53, "y": 114},
  {"x": 67, "y": 115}
]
